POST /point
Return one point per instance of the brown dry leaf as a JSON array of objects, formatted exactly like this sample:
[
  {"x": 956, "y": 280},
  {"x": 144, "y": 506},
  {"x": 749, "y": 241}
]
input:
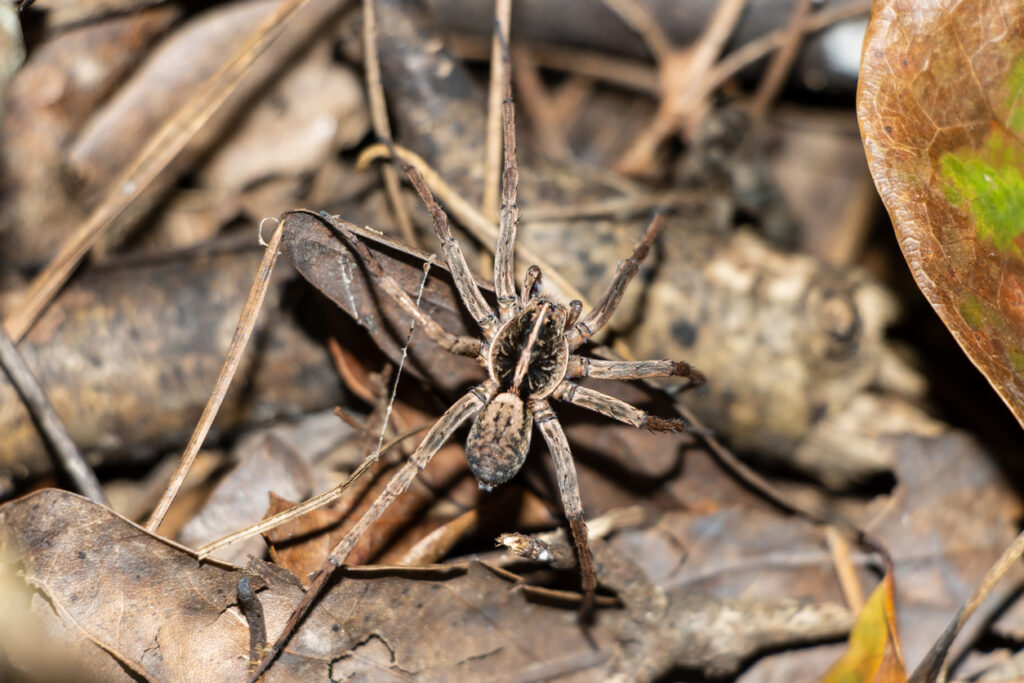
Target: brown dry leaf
[
  {"x": 59, "y": 15},
  {"x": 120, "y": 602},
  {"x": 311, "y": 111},
  {"x": 176, "y": 69},
  {"x": 140, "y": 604},
  {"x": 873, "y": 654},
  {"x": 328, "y": 264},
  {"x": 948, "y": 520},
  {"x": 134, "y": 604},
  {"x": 267, "y": 467},
  {"x": 942, "y": 115},
  {"x": 301, "y": 545}
]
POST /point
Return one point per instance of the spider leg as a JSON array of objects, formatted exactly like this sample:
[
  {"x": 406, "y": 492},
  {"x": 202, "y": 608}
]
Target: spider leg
[
  {"x": 569, "y": 489},
  {"x": 462, "y": 345},
  {"x": 599, "y": 316},
  {"x": 462, "y": 410},
  {"x": 615, "y": 408},
  {"x": 504, "y": 249},
  {"x": 581, "y": 366},
  {"x": 469, "y": 292}
]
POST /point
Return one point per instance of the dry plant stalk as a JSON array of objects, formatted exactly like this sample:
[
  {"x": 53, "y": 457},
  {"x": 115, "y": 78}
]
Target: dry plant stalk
[
  {"x": 48, "y": 422},
  {"x": 495, "y": 95},
  {"x": 243, "y": 331},
  {"x": 379, "y": 116}
]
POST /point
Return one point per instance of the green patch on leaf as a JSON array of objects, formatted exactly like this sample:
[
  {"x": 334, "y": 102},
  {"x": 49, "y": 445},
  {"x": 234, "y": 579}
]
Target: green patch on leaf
[
  {"x": 982, "y": 316},
  {"x": 989, "y": 182},
  {"x": 1015, "y": 96},
  {"x": 1017, "y": 361},
  {"x": 972, "y": 313}
]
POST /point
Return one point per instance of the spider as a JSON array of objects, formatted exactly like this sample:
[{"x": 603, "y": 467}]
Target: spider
[{"x": 528, "y": 349}]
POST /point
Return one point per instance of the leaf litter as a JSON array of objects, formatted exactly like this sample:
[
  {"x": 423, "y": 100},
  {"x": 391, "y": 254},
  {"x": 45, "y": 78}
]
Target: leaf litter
[{"x": 715, "y": 547}]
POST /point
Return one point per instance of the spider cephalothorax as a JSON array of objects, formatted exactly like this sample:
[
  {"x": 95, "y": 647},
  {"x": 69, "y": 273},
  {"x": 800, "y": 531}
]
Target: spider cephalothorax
[{"x": 530, "y": 352}]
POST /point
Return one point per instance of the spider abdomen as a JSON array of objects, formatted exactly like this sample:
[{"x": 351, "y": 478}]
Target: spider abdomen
[
  {"x": 498, "y": 440},
  {"x": 529, "y": 355}
]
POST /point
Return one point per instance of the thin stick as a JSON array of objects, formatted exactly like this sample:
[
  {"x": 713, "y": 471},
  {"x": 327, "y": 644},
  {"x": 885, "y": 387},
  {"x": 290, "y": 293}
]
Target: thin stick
[
  {"x": 379, "y": 117},
  {"x": 846, "y": 572},
  {"x": 305, "y": 506},
  {"x": 630, "y": 74},
  {"x": 160, "y": 150},
  {"x": 567, "y": 99},
  {"x": 935, "y": 665},
  {"x": 543, "y": 114},
  {"x": 639, "y": 18},
  {"x": 461, "y": 411},
  {"x": 434, "y": 545},
  {"x": 742, "y": 57},
  {"x": 627, "y": 206},
  {"x": 637, "y": 76},
  {"x": 250, "y": 312},
  {"x": 683, "y": 93},
  {"x": 778, "y": 69},
  {"x": 48, "y": 422},
  {"x": 495, "y": 94}
]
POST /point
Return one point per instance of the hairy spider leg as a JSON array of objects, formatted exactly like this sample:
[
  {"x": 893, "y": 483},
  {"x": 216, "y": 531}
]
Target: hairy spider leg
[
  {"x": 458, "y": 344},
  {"x": 581, "y": 366},
  {"x": 599, "y": 316},
  {"x": 469, "y": 292},
  {"x": 615, "y": 408},
  {"x": 531, "y": 284},
  {"x": 568, "y": 487}
]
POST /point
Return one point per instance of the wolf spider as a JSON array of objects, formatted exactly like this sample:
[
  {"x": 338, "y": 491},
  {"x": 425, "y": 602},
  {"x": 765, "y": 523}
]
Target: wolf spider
[{"x": 527, "y": 349}]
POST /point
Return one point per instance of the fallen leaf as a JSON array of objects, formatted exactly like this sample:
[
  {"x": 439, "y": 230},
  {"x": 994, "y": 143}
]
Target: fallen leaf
[
  {"x": 941, "y": 111},
  {"x": 49, "y": 99},
  {"x": 873, "y": 654},
  {"x": 265, "y": 468},
  {"x": 125, "y": 605},
  {"x": 328, "y": 264}
]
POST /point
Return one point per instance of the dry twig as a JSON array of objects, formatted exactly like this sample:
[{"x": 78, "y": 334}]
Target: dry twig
[
  {"x": 49, "y": 423},
  {"x": 246, "y": 323},
  {"x": 379, "y": 116},
  {"x": 778, "y": 69}
]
